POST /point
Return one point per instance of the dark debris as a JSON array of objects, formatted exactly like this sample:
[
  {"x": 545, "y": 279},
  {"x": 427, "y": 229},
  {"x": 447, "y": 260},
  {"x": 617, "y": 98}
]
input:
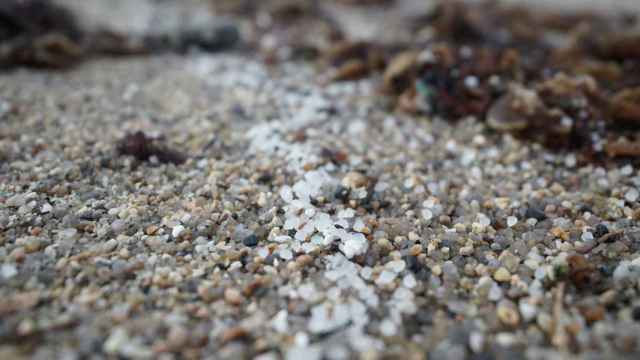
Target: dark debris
[{"x": 143, "y": 148}]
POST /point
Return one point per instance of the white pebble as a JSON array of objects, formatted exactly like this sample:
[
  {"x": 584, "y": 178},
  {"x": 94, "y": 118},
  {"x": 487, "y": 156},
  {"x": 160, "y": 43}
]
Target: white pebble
[
  {"x": 385, "y": 277},
  {"x": 483, "y": 220},
  {"x": 476, "y": 341},
  {"x": 387, "y": 327},
  {"x": 570, "y": 161},
  {"x": 495, "y": 292},
  {"x": 279, "y": 322},
  {"x": 471, "y": 82},
  {"x": 301, "y": 339},
  {"x": 358, "y": 225},
  {"x": 366, "y": 273},
  {"x": 527, "y": 310},
  {"x": 427, "y": 214},
  {"x": 177, "y": 230},
  {"x": 396, "y": 266},
  {"x": 512, "y": 221},
  {"x": 110, "y": 245},
  {"x": 631, "y": 195},
  {"x": 587, "y": 236},
  {"x": 622, "y": 272},
  {"x": 8, "y": 271},
  {"x": 263, "y": 252},
  {"x": 46, "y": 208},
  {"x": 354, "y": 244},
  {"x": 285, "y": 254},
  {"x": 286, "y": 194},
  {"x": 409, "y": 281}
]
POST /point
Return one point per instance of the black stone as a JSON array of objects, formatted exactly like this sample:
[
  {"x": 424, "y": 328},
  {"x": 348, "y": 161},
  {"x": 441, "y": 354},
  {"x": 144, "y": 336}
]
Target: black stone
[
  {"x": 635, "y": 313},
  {"x": 251, "y": 240},
  {"x": 412, "y": 263},
  {"x": 265, "y": 178},
  {"x": 342, "y": 193},
  {"x": 601, "y": 230},
  {"x": 535, "y": 214},
  {"x": 218, "y": 39}
]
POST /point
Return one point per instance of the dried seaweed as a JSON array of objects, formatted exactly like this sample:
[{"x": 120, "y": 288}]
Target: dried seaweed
[{"x": 143, "y": 148}]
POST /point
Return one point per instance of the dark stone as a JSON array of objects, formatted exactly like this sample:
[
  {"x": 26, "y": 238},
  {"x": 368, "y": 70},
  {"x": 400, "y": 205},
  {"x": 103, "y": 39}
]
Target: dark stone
[
  {"x": 251, "y": 240},
  {"x": 424, "y": 317},
  {"x": 212, "y": 40},
  {"x": 423, "y": 274},
  {"x": 265, "y": 178},
  {"x": 601, "y": 230},
  {"x": 342, "y": 193},
  {"x": 412, "y": 263},
  {"x": 635, "y": 313},
  {"x": 535, "y": 214}
]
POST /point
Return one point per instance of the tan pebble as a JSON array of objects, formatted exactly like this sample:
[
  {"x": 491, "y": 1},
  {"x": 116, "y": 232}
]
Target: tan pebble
[
  {"x": 608, "y": 297},
  {"x": 469, "y": 270},
  {"x": 509, "y": 261},
  {"x": 262, "y": 200},
  {"x": 508, "y": 315},
  {"x": 559, "y": 233},
  {"x": 399, "y": 239},
  {"x": 304, "y": 260},
  {"x": 502, "y": 202},
  {"x": 32, "y": 245},
  {"x": 444, "y": 220},
  {"x": 177, "y": 337},
  {"x": 502, "y": 275},
  {"x": 354, "y": 180},
  {"x": 466, "y": 251},
  {"x": 384, "y": 243},
  {"x": 233, "y": 296},
  {"x": 436, "y": 270},
  {"x": 151, "y": 229},
  {"x": 207, "y": 293},
  {"x": 415, "y": 250}
]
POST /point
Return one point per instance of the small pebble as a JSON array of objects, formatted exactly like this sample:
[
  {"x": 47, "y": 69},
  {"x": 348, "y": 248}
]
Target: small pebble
[
  {"x": 233, "y": 296},
  {"x": 177, "y": 231},
  {"x": 250, "y": 241},
  {"x": 502, "y": 275},
  {"x": 631, "y": 195},
  {"x": 534, "y": 213}
]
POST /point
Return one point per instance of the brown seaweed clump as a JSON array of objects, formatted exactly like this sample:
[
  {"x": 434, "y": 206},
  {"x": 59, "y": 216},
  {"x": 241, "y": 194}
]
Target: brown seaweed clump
[
  {"x": 567, "y": 81},
  {"x": 144, "y": 148}
]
